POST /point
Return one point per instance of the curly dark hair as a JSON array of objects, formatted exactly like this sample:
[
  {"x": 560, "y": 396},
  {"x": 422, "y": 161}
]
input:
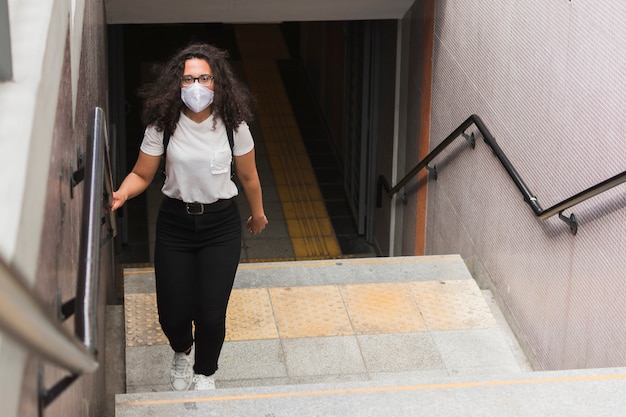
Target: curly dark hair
[{"x": 233, "y": 102}]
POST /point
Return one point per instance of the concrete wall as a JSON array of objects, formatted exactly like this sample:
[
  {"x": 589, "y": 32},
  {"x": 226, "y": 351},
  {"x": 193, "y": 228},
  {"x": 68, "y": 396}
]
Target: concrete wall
[
  {"x": 59, "y": 77},
  {"x": 548, "y": 80}
]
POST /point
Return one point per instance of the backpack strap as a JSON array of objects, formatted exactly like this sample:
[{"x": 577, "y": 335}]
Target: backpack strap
[
  {"x": 231, "y": 141},
  {"x": 166, "y": 141}
]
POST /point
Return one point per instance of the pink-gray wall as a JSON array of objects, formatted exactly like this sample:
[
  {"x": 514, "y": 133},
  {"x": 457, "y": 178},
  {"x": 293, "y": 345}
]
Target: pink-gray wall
[{"x": 549, "y": 81}]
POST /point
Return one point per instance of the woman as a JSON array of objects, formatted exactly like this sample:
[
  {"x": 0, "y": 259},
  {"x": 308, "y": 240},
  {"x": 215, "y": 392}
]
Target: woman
[{"x": 196, "y": 99}]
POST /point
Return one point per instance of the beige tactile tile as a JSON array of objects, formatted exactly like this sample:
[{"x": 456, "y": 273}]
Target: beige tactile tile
[
  {"x": 310, "y": 312},
  {"x": 382, "y": 308},
  {"x": 452, "y": 305},
  {"x": 249, "y": 316},
  {"x": 142, "y": 321}
]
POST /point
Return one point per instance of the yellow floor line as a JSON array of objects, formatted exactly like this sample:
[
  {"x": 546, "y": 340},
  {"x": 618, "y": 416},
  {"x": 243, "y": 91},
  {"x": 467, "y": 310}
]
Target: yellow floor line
[
  {"x": 476, "y": 384},
  {"x": 130, "y": 271}
]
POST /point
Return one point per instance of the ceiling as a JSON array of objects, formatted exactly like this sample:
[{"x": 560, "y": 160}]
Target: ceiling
[{"x": 251, "y": 11}]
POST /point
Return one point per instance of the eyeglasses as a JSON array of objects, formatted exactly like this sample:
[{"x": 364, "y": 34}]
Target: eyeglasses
[{"x": 204, "y": 79}]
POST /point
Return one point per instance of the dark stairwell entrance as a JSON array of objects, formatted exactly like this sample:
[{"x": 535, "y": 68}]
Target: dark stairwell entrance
[{"x": 141, "y": 46}]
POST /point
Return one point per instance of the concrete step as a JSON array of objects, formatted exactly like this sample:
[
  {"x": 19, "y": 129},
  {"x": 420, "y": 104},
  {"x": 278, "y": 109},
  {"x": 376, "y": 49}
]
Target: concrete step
[
  {"x": 351, "y": 321},
  {"x": 318, "y": 321},
  {"x": 597, "y": 393}
]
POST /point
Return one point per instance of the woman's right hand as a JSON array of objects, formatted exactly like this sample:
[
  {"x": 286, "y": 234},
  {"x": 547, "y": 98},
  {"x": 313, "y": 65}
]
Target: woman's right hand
[
  {"x": 137, "y": 180},
  {"x": 118, "y": 200}
]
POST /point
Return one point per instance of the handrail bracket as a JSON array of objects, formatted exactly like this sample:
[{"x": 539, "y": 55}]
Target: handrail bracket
[
  {"x": 48, "y": 395},
  {"x": 432, "y": 170},
  {"x": 78, "y": 175},
  {"x": 471, "y": 138},
  {"x": 571, "y": 221},
  {"x": 65, "y": 309}
]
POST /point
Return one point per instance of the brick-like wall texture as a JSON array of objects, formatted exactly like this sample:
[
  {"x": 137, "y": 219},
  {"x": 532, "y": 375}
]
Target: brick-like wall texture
[
  {"x": 548, "y": 78},
  {"x": 58, "y": 262}
]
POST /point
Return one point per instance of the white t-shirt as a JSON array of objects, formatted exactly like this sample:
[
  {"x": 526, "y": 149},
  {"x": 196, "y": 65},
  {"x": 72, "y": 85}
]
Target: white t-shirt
[{"x": 198, "y": 159}]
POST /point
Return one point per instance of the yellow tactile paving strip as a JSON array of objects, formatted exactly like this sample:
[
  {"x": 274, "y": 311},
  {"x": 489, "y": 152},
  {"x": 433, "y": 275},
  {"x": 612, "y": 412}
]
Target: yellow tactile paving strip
[
  {"x": 309, "y": 226},
  {"x": 330, "y": 310},
  {"x": 142, "y": 321},
  {"x": 310, "y": 312},
  {"x": 382, "y": 308},
  {"x": 250, "y": 315}
]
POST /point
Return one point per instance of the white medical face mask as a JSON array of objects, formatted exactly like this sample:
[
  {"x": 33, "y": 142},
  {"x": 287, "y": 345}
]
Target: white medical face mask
[{"x": 197, "y": 97}]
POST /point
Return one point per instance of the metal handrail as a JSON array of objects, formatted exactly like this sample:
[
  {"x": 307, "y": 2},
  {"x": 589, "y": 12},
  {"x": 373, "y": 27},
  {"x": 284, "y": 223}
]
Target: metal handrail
[
  {"x": 24, "y": 318},
  {"x": 523, "y": 188},
  {"x": 89, "y": 262}
]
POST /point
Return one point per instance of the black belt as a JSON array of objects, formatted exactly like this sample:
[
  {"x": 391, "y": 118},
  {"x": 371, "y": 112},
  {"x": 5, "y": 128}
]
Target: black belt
[{"x": 196, "y": 209}]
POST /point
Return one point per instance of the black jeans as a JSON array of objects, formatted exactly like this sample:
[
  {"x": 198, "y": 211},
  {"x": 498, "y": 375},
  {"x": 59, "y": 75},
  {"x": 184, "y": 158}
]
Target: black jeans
[{"x": 195, "y": 261}]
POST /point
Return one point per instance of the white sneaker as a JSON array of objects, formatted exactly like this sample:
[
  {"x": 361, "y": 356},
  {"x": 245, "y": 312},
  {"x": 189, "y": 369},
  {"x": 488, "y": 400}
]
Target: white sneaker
[
  {"x": 181, "y": 372},
  {"x": 203, "y": 382}
]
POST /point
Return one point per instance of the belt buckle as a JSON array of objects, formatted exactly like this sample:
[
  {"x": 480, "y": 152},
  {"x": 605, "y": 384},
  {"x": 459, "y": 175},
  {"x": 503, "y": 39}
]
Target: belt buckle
[{"x": 189, "y": 207}]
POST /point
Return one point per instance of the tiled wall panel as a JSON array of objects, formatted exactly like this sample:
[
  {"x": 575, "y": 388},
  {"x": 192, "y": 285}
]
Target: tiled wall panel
[{"x": 548, "y": 78}]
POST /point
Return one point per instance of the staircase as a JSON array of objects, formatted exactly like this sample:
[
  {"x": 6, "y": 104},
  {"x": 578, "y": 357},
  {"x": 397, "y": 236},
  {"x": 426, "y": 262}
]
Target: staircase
[
  {"x": 328, "y": 338},
  {"x": 376, "y": 337}
]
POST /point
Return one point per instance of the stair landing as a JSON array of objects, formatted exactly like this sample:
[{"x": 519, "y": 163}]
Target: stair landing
[{"x": 336, "y": 320}]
